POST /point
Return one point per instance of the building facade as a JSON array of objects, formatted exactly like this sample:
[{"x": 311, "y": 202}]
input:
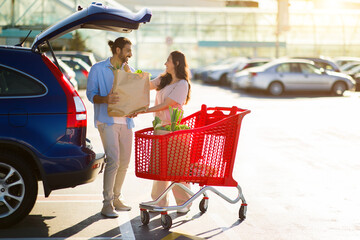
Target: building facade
[{"x": 204, "y": 34}]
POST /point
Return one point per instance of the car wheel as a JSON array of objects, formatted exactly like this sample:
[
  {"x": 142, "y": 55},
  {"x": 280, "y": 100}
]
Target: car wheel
[
  {"x": 234, "y": 86},
  {"x": 223, "y": 80},
  {"x": 338, "y": 89},
  {"x": 18, "y": 189},
  {"x": 276, "y": 89}
]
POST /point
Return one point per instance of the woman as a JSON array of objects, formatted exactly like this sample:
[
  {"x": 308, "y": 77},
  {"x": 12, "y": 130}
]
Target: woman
[{"x": 173, "y": 90}]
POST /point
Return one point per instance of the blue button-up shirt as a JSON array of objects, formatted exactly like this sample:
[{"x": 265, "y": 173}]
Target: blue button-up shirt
[{"x": 100, "y": 82}]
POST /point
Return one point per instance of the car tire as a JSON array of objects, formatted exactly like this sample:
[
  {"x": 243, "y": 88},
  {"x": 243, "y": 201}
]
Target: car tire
[
  {"x": 223, "y": 80},
  {"x": 276, "y": 89},
  {"x": 234, "y": 86},
  {"x": 338, "y": 89},
  {"x": 18, "y": 189}
]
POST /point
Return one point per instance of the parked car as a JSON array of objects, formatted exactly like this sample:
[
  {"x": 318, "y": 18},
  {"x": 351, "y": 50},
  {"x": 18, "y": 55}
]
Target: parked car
[
  {"x": 340, "y": 61},
  {"x": 218, "y": 73},
  {"x": 43, "y": 119},
  {"x": 354, "y": 70},
  {"x": 69, "y": 74},
  {"x": 80, "y": 68},
  {"x": 297, "y": 75},
  {"x": 324, "y": 63},
  {"x": 347, "y": 66},
  {"x": 240, "y": 80},
  {"x": 236, "y": 76},
  {"x": 87, "y": 57},
  {"x": 357, "y": 80},
  {"x": 200, "y": 73}
]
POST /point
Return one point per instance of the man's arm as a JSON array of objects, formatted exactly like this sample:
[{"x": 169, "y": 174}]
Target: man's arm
[
  {"x": 92, "y": 90},
  {"x": 109, "y": 99}
]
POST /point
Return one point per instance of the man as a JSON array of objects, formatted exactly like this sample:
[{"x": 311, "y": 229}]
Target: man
[{"x": 115, "y": 132}]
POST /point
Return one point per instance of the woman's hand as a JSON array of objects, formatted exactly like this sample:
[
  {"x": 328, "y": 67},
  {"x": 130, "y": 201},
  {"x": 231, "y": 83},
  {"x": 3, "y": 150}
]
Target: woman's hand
[{"x": 135, "y": 114}]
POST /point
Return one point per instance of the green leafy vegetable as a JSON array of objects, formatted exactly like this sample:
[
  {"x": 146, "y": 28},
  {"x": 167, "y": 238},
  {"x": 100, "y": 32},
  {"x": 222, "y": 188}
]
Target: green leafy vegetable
[
  {"x": 117, "y": 67},
  {"x": 176, "y": 116}
]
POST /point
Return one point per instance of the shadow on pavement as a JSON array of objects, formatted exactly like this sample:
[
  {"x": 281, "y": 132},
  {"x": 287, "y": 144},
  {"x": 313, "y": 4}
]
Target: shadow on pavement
[
  {"x": 154, "y": 230},
  {"x": 68, "y": 232},
  {"x": 220, "y": 230},
  {"x": 33, "y": 226}
]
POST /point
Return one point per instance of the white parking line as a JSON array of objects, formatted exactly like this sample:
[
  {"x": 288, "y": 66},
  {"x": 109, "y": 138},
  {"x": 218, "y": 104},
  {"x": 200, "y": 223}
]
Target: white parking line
[
  {"x": 126, "y": 229},
  {"x": 83, "y": 198}
]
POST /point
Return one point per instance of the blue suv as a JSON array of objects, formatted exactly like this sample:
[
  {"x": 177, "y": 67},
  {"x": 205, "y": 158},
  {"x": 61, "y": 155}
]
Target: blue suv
[{"x": 43, "y": 120}]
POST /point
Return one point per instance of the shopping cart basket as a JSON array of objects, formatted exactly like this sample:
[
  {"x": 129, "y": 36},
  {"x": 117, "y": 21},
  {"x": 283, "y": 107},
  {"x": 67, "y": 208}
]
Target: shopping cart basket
[{"x": 204, "y": 154}]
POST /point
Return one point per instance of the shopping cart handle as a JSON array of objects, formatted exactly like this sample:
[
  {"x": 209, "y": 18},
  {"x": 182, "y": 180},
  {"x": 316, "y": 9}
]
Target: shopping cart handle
[{"x": 233, "y": 110}]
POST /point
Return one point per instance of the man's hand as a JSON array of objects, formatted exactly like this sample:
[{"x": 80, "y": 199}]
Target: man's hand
[
  {"x": 127, "y": 68},
  {"x": 112, "y": 98}
]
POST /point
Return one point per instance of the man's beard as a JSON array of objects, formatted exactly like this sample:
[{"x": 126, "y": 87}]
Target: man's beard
[{"x": 123, "y": 58}]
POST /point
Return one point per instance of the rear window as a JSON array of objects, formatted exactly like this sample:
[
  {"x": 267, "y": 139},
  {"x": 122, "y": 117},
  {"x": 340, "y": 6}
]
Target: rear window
[{"x": 16, "y": 84}]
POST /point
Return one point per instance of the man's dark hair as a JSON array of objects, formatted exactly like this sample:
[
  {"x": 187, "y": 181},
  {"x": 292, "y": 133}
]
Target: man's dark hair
[{"x": 119, "y": 43}]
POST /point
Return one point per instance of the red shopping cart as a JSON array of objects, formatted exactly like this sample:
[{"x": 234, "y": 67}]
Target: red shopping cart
[{"x": 204, "y": 154}]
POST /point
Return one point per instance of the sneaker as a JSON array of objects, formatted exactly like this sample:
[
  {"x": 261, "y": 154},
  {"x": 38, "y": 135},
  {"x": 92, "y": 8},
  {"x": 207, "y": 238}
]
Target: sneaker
[
  {"x": 183, "y": 210},
  {"x": 108, "y": 211},
  {"x": 121, "y": 205}
]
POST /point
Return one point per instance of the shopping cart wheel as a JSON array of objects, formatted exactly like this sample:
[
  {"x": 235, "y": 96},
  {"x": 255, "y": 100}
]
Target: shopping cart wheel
[
  {"x": 203, "y": 206},
  {"x": 166, "y": 221},
  {"x": 145, "y": 217},
  {"x": 242, "y": 211}
]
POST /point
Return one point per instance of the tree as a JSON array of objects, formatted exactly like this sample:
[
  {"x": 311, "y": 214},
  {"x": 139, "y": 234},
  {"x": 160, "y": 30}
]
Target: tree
[{"x": 77, "y": 43}]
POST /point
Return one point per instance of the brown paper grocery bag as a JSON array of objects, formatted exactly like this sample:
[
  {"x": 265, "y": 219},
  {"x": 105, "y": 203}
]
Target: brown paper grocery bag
[{"x": 134, "y": 93}]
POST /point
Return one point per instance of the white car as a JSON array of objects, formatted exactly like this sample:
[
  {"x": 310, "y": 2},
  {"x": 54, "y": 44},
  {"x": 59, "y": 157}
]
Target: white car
[
  {"x": 297, "y": 75},
  {"x": 218, "y": 73},
  {"x": 340, "y": 61},
  {"x": 238, "y": 76}
]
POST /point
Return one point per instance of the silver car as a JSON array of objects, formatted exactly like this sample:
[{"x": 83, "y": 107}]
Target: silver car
[{"x": 297, "y": 75}]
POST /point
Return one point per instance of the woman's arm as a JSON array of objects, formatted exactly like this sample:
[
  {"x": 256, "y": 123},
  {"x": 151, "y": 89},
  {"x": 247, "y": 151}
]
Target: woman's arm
[
  {"x": 162, "y": 106},
  {"x": 155, "y": 82},
  {"x": 152, "y": 85}
]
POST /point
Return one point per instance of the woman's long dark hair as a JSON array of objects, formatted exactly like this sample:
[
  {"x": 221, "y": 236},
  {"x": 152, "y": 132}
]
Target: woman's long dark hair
[{"x": 181, "y": 71}]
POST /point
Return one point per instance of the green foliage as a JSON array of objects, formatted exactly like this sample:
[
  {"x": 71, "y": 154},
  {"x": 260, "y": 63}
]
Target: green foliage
[
  {"x": 176, "y": 116},
  {"x": 77, "y": 43}
]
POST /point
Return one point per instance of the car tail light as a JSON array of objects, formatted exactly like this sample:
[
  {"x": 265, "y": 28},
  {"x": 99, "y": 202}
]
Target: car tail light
[
  {"x": 76, "y": 111},
  {"x": 86, "y": 73},
  {"x": 253, "y": 74},
  {"x": 246, "y": 66}
]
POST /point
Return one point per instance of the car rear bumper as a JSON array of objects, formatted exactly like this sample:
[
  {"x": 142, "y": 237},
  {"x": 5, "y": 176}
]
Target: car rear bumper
[{"x": 72, "y": 179}]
